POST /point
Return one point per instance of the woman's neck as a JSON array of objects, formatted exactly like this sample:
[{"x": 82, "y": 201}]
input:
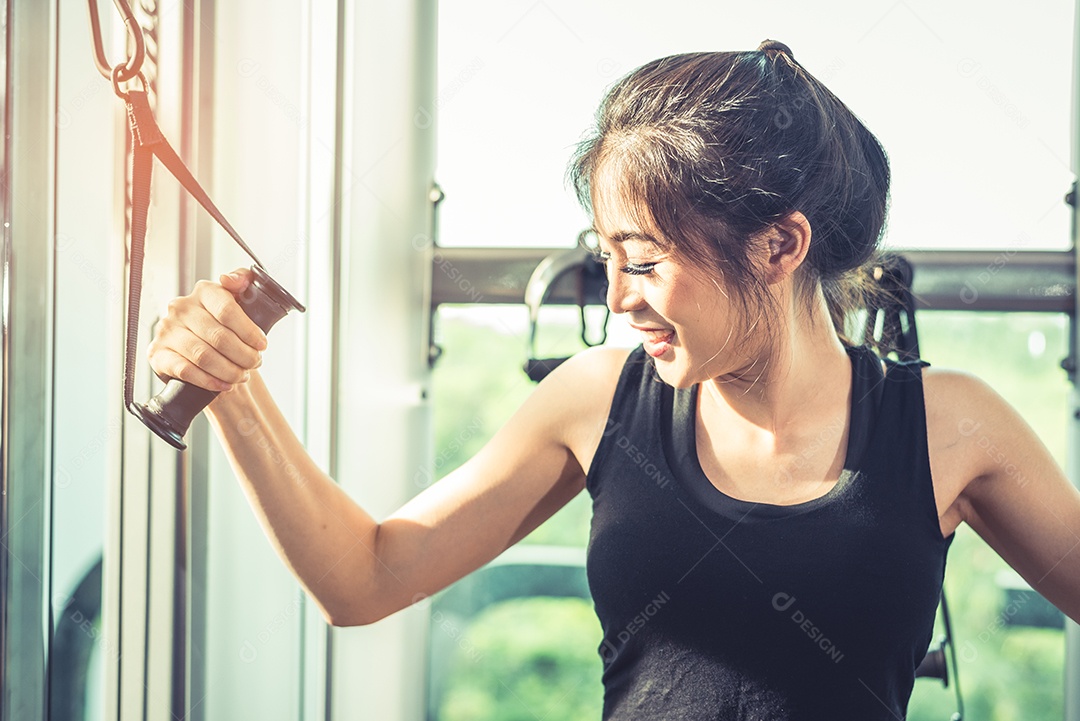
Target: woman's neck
[{"x": 801, "y": 372}]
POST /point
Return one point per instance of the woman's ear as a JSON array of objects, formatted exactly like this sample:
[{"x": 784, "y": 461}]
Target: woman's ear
[{"x": 788, "y": 243}]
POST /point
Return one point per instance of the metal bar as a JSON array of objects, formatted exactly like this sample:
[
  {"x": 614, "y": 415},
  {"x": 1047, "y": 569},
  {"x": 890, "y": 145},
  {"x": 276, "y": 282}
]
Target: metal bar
[
  {"x": 195, "y": 263},
  {"x": 189, "y": 73},
  {"x": 5, "y": 346},
  {"x": 978, "y": 280},
  {"x": 321, "y": 371},
  {"x": 1072, "y": 630},
  {"x": 29, "y": 286}
]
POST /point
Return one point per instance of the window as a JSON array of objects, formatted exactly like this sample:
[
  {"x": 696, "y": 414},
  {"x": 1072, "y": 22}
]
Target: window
[
  {"x": 522, "y": 656},
  {"x": 973, "y": 109}
]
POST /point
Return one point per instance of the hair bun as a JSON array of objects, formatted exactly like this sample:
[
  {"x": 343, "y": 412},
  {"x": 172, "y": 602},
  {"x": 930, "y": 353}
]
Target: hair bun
[{"x": 776, "y": 46}]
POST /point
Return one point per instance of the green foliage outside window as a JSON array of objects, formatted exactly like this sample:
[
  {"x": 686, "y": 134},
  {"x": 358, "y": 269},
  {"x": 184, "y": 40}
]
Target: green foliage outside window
[{"x": 535, "y": 659}]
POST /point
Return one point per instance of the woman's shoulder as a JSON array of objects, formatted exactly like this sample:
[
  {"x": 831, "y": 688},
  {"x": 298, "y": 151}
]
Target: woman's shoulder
[
  {"x": 589, "y": 375},
  {"x": 955, "y": 392},
  {"x": 956, "y": 403},
  {"x": 945, "y": 390},
  {"x": 1005, "y": 482},
  {"x": 964, "y": 416},
  {"x": 582, "y": 388}
]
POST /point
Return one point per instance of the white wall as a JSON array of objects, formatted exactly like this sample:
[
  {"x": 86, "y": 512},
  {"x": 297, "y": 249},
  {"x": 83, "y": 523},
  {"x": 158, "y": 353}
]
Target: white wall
[
  {"x": 252, "y": 658},
  {"x": 275, "y": 155}
]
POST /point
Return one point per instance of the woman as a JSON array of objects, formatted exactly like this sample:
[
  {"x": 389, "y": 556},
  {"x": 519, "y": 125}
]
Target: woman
[{"x": 772, "y": 505}]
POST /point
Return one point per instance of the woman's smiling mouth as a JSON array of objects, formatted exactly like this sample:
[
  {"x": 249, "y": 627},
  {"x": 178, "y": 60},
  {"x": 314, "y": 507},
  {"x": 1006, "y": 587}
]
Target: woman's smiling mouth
[{"x": 657, "y": 341}]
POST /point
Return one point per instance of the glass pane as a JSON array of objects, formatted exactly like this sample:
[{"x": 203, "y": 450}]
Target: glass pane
[
  {"x": 972, "y": 106},
  {"x": 89, "y": 296},
  {"x": 469, "y": 406},
  {"x": 1007, "y": 670},
  {"x": 949, "y": 90},
  {"x": 525, "y": 660}
]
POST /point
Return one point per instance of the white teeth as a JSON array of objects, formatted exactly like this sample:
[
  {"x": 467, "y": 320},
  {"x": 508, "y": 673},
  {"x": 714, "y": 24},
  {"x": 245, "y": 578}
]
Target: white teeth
[{"x": 656, "y": 335}]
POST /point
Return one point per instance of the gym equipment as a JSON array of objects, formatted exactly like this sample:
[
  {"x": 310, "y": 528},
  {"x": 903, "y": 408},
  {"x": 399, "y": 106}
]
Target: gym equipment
[
  {"x": 539, "y": 287},
  {"x": 170, "y": 412}
]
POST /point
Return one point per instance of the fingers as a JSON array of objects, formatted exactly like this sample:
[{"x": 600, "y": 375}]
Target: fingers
[
  {"x": 206, "y": 339},
  {"x": 170, "y": 364},
  {"x": 237, "y": 281},
  {"x": 178, "y": 352},
  {"x": 222, "y": 305}
]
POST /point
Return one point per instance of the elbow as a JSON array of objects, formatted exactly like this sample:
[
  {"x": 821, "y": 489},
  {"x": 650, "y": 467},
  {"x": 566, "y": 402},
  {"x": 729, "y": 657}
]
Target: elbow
[
  {"x": 348, "y": 615},
  {"x": 345, "y": 617},
  {"x": 349, "y": 620},
  {"x": 359, "y": 604},
  {"x": 345, "y": 620}
]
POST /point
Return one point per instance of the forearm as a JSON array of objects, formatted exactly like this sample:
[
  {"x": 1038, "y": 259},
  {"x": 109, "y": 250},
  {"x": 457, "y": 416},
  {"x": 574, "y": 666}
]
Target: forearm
[{"x": 322, "y": 535}]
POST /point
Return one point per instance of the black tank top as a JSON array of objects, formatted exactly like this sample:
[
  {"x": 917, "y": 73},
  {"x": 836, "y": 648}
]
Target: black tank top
[{"x": 719, "y": 608}]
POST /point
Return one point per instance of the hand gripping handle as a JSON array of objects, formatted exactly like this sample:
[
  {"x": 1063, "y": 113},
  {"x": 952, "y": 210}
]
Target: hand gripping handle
[{"x": 171, "y": 411}]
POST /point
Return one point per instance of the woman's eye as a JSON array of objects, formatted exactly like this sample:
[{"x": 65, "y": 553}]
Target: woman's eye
[
  {"x": 638, "y": 269},
  {"x": 629, "y": 268}
]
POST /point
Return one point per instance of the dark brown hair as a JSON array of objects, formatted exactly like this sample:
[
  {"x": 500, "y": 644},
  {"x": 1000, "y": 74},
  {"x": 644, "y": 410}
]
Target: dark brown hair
[{"x": 716, "y": 147}]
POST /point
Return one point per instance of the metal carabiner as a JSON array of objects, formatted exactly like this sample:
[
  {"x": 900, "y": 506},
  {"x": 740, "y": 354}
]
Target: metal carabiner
[{"x": 134, "y": 63}]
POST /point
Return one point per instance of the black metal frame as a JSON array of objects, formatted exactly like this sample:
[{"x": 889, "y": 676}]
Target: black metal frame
[{"x": 981, "y": 280}]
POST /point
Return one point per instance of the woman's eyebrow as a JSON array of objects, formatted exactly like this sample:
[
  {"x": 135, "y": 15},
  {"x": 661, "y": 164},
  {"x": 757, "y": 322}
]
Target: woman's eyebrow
[{"x": 620, "y": 236}]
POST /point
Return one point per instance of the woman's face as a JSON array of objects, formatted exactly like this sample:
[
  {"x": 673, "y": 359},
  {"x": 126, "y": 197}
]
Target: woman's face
[{"x": 688, "y": 322}]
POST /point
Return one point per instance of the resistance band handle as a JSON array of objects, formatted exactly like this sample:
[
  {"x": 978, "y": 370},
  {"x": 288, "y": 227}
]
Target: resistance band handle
[{"x": 170, "y": 412}]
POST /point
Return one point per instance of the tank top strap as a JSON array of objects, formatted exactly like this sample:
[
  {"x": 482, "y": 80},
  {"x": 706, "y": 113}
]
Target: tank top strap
[
  {"x": 867, "y": 391},
  {"x": 633, "y": 416},
  {"x": 868, "y": 386},
  {"x": 900, "y": 443}
]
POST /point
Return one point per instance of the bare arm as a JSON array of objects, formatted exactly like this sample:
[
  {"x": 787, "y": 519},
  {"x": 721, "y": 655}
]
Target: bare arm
[
  {"x": 1015, "y": 496},
  {"x": 357, "y": 569}
]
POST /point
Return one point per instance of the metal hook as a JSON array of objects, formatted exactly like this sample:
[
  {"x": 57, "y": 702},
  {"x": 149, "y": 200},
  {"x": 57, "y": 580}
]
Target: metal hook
[
  {"x": 134, "y": 63},
  {"x": 116, "y": 72}
]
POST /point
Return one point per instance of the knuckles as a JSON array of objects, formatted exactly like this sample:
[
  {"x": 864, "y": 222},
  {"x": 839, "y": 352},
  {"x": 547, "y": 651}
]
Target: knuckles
[
  {"x": 165, "y": 347},
  {"x": 216, "y": 336},
  {"x": 175, "y": 307},
  {"x": 199, "y": 353},
  {"x": 165, "y": 325}
]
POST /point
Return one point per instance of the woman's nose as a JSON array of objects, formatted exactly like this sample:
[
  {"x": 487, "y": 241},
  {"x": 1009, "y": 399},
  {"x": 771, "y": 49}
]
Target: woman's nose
[{"x": 622, "y": 293}]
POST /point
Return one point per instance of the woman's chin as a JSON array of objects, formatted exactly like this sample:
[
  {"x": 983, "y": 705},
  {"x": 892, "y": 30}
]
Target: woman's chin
[{"x": 674, "y": 374}]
